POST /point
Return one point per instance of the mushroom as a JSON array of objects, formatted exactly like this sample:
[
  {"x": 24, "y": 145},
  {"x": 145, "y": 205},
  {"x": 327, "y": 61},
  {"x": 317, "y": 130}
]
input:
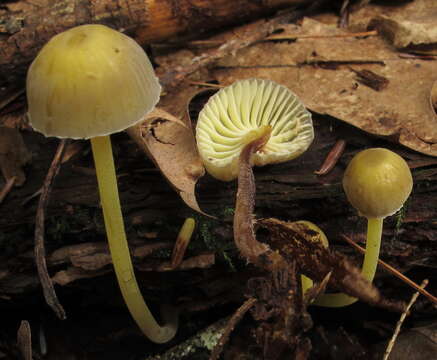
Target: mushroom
[
  {"x": 87, "y": 83},
  {"x": 241, "y": 113},
  {"x": 377, "y": 182},
  {"x": 252, "y": 121}
]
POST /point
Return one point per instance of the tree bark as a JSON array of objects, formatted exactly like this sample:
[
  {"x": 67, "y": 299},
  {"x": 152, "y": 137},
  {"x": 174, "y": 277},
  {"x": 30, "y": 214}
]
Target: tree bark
[{"x": 26, "y": 26}]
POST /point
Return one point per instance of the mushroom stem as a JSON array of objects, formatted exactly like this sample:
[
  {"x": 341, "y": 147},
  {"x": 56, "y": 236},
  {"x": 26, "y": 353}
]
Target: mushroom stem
[
  {"x": 108, "y": 189},
  {"x": 373, "y": 245}
]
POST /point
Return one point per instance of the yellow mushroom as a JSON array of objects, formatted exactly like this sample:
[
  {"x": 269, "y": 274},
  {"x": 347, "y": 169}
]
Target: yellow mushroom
[
  {"x": 87, "y": 83},
  {"x": 377, "y": 182}
]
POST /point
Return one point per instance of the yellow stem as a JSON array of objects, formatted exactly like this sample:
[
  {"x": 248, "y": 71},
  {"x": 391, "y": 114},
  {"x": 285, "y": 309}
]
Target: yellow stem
[
  {"x": 118, "y": 246},
  {"x": 373, "y": 244}
]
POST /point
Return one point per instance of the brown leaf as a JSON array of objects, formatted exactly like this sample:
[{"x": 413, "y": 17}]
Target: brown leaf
[
  {"x": 171, "y": 146},
  {"x": 419, "y": 343},
  {"x": 13, "y": 155},
  {"x": 322, "y": 72},
  {"x": 412, "y": 32},
  {"x": 293, "y": 241}
]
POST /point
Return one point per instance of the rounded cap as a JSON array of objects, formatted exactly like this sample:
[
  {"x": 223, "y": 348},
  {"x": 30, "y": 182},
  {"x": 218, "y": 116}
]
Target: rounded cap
[
  {"x": 377, "y": 182},
  {"x": 230, "y": 117},
  {"x": 90, "y": 81}
]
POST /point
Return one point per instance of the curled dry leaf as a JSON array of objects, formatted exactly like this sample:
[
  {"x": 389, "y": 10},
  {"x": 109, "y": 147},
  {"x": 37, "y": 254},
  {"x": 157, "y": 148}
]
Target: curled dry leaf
[
  {"x": 322, "y": 72},
  {"x": 293, "y": 241},
  {"x": 171, "y": 146}
]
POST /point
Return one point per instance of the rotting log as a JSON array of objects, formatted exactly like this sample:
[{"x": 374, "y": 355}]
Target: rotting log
[
  {"x": 152, "y": 210},
  {"x": 25, "y": 26}
]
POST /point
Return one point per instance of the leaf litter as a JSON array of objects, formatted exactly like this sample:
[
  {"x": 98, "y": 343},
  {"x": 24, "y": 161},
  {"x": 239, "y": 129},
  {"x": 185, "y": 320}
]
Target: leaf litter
[{"x": 326, "y": 72}]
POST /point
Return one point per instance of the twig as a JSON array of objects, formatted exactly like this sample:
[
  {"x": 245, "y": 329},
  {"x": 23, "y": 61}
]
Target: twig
[
  {"x": 401, "y": 320},
  {"x": 344, "y": 14},
  {"x": 310, "y": 36},
  {"x": 292, "y": 37},
  {"x": 332, "y": 158},
  {"x": 11, "y": 97},
  {"x": 7, "y": 188},
  {"x": 199, "y": 83},
  {"x": 233, "y": 321},
  {"x": 395, "y": 272},
  {"x": 24, "y": 340},
  {"x": 40, "y": 254}
]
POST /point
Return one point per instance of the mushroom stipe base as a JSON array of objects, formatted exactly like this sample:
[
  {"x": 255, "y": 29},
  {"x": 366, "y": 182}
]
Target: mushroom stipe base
[
  {"x": 373, "y": 244},
  {"x": 108, "y": 189}
]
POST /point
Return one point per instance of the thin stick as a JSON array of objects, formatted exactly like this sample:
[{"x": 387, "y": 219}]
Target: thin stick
[
  {"x": 234, "y": 320},
  {"x": 401, "y": 321},
  {"x": 40, "y": 253},
  {"x": 218, "y": 86},
  {"x": 7, "y": 188},
  {"x": 332, "y": 158},
  {"x": 309, "y": 36},
  {"x": 394, "y": 272},
  {"x": 292, "y": 37}
]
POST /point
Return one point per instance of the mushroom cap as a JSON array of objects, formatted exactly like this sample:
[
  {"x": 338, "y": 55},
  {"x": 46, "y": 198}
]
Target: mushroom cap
[
  {"x": 90, "y": 81},
  {"x": 228, "y": 119},
  {"x": 377, "y": 182}
]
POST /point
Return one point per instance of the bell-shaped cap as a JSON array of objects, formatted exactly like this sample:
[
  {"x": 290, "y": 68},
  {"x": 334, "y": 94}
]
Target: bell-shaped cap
[
  {"x": 232, "y": 114},
  {"x": 377, "y": 182},
  {"x": 90, "y": 81}
]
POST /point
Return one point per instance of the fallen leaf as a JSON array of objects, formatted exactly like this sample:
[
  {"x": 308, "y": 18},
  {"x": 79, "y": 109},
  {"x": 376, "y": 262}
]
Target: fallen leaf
[
  {"x": 418, "y": 343},
  {"x": 322, "y": 72},
  {"x": 13, "y": 155},
  {"x": 413, "y": 33},
  {"x": 171, "y": 145}
]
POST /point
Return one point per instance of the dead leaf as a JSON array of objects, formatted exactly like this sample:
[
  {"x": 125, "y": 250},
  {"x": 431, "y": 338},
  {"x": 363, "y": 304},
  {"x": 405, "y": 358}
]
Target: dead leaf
[
  {"x": 419, "y": 343},
  {"x": 13, "y": 155},
  {"x": 413, "y": 33},
  {"x": 92, "y": 266},
  {"x": 321, "y": 71},
  {"x": 171, "y": 145},
  {"x": 65, "y": 277}
]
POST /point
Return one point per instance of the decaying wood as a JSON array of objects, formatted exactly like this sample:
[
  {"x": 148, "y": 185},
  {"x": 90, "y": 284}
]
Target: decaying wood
[
  {"x": 26, "y": 26},
  {"x": 288, "y": 191}
]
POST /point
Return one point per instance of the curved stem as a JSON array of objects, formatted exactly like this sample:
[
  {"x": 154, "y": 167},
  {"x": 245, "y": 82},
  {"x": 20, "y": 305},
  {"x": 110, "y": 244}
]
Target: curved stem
[
  {"x": 118, "y": 246},
  {"x": 373, "y": 244}
]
